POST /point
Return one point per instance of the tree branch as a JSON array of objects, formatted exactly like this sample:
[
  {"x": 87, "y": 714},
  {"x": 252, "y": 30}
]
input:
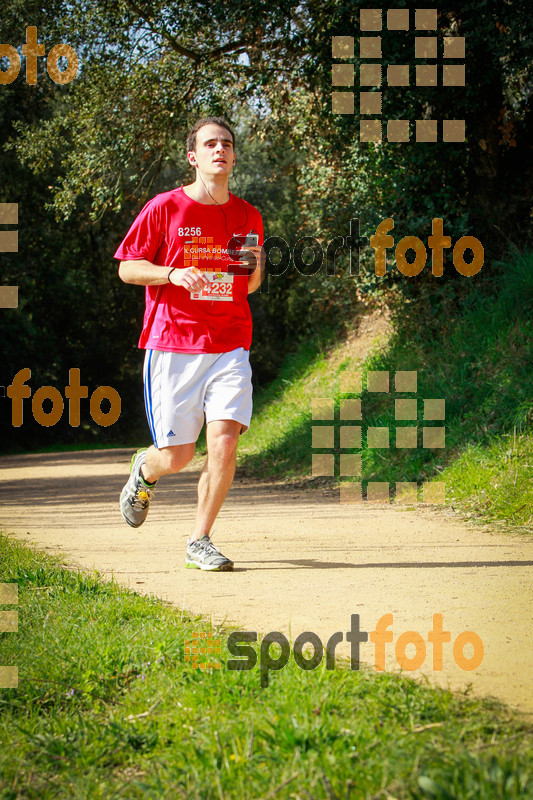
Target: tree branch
[
  {"x": 194, "y": 55},
  {"x": 240, "y": 44},
  {"x": 175, "y": 45}
]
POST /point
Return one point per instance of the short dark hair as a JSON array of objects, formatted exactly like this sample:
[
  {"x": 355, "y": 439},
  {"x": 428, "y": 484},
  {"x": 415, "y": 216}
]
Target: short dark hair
[{"x": 191, "y": 138}]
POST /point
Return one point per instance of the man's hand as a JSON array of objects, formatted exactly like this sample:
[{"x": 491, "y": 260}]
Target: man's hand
[
  {"x": 190, "y": 278},
  {"x": 251, "y": 257}
]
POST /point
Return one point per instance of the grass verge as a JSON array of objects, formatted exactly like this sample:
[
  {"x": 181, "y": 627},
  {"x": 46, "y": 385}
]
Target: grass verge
[{"x": 107, "y": 707}]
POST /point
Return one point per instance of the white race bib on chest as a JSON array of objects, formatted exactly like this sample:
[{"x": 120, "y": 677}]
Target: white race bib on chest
[{"x": 220, "y": 287}]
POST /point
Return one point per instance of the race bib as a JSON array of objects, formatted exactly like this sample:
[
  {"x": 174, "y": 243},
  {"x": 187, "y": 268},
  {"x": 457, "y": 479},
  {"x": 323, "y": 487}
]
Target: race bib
[{"x": 220, "y": 287}]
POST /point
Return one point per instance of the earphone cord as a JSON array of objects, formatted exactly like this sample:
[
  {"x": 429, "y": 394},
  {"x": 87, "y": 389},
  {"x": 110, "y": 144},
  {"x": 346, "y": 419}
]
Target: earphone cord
[{"x": 231, "y": 235}]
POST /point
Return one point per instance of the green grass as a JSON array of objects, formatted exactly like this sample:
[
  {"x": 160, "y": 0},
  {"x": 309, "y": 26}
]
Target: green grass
[
  {"x": 494, "y": 480},
  {"x": 107, "y": 707}
]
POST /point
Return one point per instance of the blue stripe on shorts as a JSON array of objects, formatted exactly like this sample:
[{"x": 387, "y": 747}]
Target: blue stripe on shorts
[{"x": 148, "y": 398}]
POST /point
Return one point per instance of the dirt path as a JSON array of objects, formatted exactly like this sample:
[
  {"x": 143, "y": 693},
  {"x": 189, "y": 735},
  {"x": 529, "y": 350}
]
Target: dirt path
[{"x": 304, "y": 562}]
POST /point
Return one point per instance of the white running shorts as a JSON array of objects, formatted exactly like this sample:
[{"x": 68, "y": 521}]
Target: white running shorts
[{"x": 181, "y": 388}]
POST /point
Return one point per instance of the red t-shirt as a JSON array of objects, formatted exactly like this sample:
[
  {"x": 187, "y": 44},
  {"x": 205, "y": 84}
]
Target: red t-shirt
[{"x": 172, "y": 230}]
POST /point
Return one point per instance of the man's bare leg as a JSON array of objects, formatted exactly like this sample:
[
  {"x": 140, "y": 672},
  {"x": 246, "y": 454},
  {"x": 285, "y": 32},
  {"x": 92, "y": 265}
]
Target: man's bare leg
[
  {"x": 217, "y": 474},
  {"x": 166, "y": 460}
]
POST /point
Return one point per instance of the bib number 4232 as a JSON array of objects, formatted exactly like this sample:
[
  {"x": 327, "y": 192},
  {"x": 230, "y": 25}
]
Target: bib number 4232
[{"x": 220, "y": 287}]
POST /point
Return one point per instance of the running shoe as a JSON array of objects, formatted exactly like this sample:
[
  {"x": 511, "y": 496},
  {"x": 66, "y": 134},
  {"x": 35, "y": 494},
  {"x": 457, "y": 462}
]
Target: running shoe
[
  {"x": 135, "y": 496},
  {"x": 202, "y": 554}
]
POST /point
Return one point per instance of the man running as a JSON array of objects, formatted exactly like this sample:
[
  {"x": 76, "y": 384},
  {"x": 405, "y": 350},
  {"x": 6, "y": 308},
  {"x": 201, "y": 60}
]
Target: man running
[{"x": 185, "y": 247}]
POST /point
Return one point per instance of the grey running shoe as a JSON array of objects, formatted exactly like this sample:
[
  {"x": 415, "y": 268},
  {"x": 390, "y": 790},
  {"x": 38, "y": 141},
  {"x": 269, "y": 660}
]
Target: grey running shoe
[
  {"x": 135, "y": 496},
  {"x": 202, "y": 554}
]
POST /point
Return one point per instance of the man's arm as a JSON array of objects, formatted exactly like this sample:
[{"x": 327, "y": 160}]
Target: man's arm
[{"x": 144, "y": 273}]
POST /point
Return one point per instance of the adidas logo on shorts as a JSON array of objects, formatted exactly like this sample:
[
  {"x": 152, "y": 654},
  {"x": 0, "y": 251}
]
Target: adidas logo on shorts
[{"x": 170, "y": 433}]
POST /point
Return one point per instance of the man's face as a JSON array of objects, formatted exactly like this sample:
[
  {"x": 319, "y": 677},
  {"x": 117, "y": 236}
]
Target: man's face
[{"x": 214, "y": 151}]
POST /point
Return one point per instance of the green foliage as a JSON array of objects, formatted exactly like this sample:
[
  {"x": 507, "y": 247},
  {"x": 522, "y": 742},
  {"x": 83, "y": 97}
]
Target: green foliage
[{"x": 517, "y": 289}]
